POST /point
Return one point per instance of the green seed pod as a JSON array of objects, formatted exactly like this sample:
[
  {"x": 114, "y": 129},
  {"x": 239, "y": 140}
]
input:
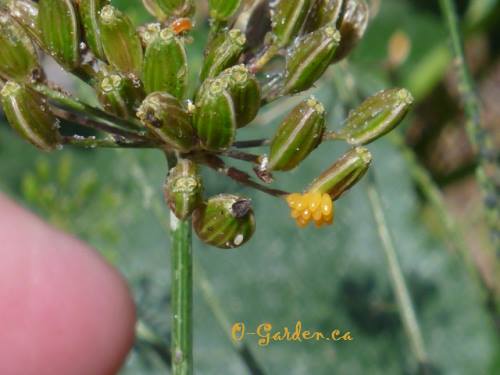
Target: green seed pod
[
  {"x": 154, "y": 9},
  {"x": 174, "y": 8},
  {"x": 18, "y": 59},
  {"x": 344, "y": 174},
  {"x": 309, "y": 59},
  {"x": 215, "y": 118},
  {"x": 121, "y": 44},
  {"x": 254, "y": 21},
  {"x": 299, "y": 134},
  {"x": 120, "y": 94},
  {"x": 223, "y": 52},
  {"x": 60, "y": 31},
  {"x": 183, "y": 189},
  {"x": 225, "y": 221},
  {"x": 165, "y": 65},
  {"x": 288, "y": 17},
  {"x": 164, "y": 116},
  {"x": 245, "y": 92},
  {"x": 29, "y": 115},
  {"x": 223, "y": 10},
  {"x": 376, "y": 116},
  {"x": 89, "y": 14},
  {"x": 323, "y": 12},
  {"x": 352, "y": 26}
]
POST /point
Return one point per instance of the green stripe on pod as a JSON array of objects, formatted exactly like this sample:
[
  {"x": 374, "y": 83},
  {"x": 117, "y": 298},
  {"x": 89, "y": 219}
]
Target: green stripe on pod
[
  {"x": 59, "y": 27},
  {"x": 223, "y": 10},
  {"x": 343, "y": 174},
  {"x": 245, "y": 92},
  {"x": 215, "y": 117},
  {"x": 298, "y": 135},
  {"x": 225, "y": 221},
  {"x": 322, "y": 13},
  {"x": 18, "y": 58},
  {"x": 309, "y": 59},
  {"x": 165, "y": 65},
  {"x": 89, "y": 14},
  {"x": 224, "y": 51},
  {"x": 376, "y": 116},
  {"x": 288, "y": 17},
  {"x": 183, "y": 189},
  {"x": 29, "y": 115},
  {"x": 120, "y": 41},
  {"x": 119, "y": 94},
  {"x": 174, "y": 8},
  {"x": 165, "y": 117},
  {"x": 352, "y": 26}
]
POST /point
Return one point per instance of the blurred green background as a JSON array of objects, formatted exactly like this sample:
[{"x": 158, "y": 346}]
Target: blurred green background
[{"x": 330, "y": 278}]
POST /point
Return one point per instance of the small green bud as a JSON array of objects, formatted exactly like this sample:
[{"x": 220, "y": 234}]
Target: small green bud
[
  {"x": 224, "y": 51},
  {"x": 183, "y": 189},
  {"x": 60, "y": 31},
  {"x": 288, "y": 17},
  {"x": 89, "y": 13},
  {"x": 223, "y": 10},
  {"x": 121, "y": 44},
  {"x": 174, "y": 8},
  {"x": 298, "y": 135},
  {"x": 165, "y": 65},
  {"x": 29, "y": 115},
  {"x": 309, "y": 59},
  {"x": 245, "y": 92},
  {"x": 376, "y": 116},
  {"x": 119, "y": 94},
  {"x": 215, "y": 117},
  {"x": 18, "y": 59},
  {"x": 225, "y": 221},
  {"x": 352, "y": 26},
  {"x": 323, "y": 12},
  {"x": 165, "y": 117},
  {"x": 344, "y": 174}
]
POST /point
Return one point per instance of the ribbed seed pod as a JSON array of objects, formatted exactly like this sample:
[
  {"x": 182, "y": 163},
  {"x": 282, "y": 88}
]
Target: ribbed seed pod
[
  {"x": 298, "y": 135},
  {"x": 120, "y": 94},
  {"x": 224, "y": 51},
  {"x": 121, "y": 44},
  {"x": 183, "y": 189},
  {"x": 323, "y": 12},
  {"x": 174, "y": 8},
  {"x": 225, "y": 221},
  {"x": 352, "y": 26},
  {"x": 309, "y": 59},
  {"x": 60, "y": 31},
  {"x": 154, "y": 9},
  {"x": 288, "y": 17},
  {"x": 165, "y": 116},
  {"x": 223, "y": 10},
  {"x": 29, "y": 115},
  {"x": 89, "y": 13},
  {"x": 215, "y": 118},
  {"x": 245, "y": 92},
  {"x": 165, "y": 65},
  {"x": 344, "y": 174},
  {"x": 376, "y": 116},
  {"x": 254, "y": 21},
  {"x": 18, "y": 59}
]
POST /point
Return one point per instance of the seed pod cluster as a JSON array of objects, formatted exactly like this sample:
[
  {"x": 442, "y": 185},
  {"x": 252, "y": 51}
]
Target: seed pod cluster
[{"x": 258, "y": 51}]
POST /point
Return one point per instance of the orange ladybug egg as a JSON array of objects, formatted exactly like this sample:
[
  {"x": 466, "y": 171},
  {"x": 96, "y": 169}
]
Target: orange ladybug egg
[{"x": 181, "y": 25}]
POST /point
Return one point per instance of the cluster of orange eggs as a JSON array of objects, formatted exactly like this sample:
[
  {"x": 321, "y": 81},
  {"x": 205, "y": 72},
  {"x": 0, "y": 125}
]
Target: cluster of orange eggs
[{"x": 309, "y": 207}]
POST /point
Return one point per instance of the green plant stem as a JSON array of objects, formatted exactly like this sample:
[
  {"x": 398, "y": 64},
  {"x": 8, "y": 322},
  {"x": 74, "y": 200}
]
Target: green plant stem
[
  {"x": 398, "y": 282},
  {"x": 487, "y": 169},
  {"x": 92, "y": 142},
  {"x": 181, "y": 295},
  {"x": 67, "y": 102}
]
